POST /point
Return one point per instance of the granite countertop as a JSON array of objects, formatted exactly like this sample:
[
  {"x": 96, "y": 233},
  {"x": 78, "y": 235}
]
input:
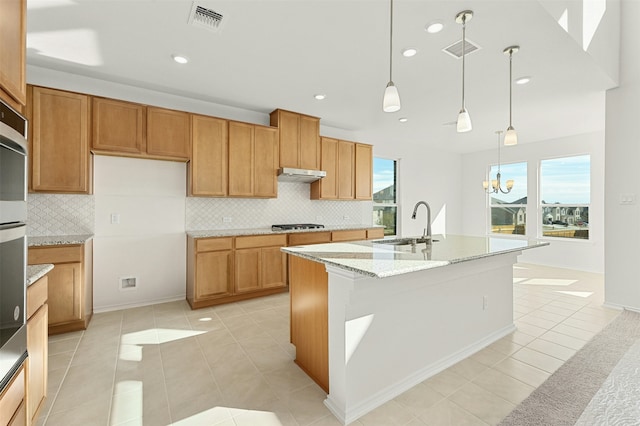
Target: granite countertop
[
  {"x": 55, "y": 240},
  {"x": 380, "y": 260},
  {"x": 35, "y": 272},
  {"x": 268, "y": 231}
]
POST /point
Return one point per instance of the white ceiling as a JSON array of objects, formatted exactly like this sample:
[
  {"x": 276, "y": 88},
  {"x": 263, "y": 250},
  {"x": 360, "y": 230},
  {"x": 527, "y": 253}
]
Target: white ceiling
[{"x": 277, "y": 54}]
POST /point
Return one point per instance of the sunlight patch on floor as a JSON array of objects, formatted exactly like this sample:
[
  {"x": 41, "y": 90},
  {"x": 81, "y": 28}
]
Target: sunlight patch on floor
[
  {"x": 583, "y": 294},
  {"x": 549, "y": 281}
]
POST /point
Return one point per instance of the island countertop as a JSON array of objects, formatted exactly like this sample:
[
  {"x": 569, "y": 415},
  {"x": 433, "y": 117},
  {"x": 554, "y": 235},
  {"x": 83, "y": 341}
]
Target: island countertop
[{"x": 381, "y": 259}]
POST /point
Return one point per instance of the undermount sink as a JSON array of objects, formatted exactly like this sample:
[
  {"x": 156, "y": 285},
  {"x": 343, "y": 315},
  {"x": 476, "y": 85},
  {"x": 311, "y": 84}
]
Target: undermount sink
[{"x": 404, "y": 241}]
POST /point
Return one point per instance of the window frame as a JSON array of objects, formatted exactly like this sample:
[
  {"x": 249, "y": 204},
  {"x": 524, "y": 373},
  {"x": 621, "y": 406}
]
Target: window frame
[
  {"x": 397, "y": 194},
  {"x": 491, "y": 205},
  {"x": 542, "y": 206}
]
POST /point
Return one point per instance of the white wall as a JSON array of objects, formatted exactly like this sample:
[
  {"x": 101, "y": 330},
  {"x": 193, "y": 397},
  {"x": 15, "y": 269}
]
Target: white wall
[
  {"x": 622, "y": 286},
  {"x": 149, "y": 242},
  {"x": 564, "y": 253}
]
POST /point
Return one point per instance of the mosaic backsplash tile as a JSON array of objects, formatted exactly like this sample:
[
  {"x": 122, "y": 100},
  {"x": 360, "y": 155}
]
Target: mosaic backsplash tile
[
  {"x": 291, "y": 206},
  {"x": 60, "y": 214}
]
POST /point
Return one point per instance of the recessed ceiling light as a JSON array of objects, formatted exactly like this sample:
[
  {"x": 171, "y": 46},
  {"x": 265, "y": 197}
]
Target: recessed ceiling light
[
  {"x": 403, "y": 119},
  {"x": 319, "y": 96},
  {"x": 434, "y": 27},
  {"x": 180, "y": 59},
  {"x": 523, "y": 80},
  {"x": 409, "y": 52}
]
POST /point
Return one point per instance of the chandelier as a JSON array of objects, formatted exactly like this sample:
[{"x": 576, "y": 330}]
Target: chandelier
[{"x": 496, "y": 185}]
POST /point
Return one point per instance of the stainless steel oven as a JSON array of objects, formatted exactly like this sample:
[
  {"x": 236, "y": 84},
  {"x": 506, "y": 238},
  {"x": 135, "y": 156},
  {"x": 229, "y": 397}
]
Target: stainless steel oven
[{"x": 13, "y": 241}]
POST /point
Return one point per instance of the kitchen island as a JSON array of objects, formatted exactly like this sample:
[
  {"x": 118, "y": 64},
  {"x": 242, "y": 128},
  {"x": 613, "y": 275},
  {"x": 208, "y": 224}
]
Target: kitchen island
[{"x": 371, "y": 319}]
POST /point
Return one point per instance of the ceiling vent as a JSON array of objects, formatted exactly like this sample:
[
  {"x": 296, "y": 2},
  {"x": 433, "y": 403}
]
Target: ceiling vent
[
  {"x": 455, "y": 49},
  {"x": 205, "y": 18}
]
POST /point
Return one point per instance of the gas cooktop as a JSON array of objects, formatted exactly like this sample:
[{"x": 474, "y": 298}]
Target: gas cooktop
[{"x": 291, "y": 226}]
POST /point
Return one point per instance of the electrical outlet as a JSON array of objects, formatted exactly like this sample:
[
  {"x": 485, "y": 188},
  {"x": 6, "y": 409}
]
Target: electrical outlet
[
  {"x": 345, "y": 217},
  {"x": 115, "y": 218},
  {"x": 627, "y": 199},
  {"x": 227, "y": 219}
]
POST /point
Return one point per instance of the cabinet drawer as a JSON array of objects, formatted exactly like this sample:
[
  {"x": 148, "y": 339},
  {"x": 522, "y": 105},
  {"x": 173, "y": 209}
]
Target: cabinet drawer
[
  {"x": 351, "y": 235},
  {"x": 375, "y": 233},
  {"x": 255, "y": 241},
  {"x": 62, "y": 254},
  {"x": 37, "y": 295},
  {"x": 214, "y": 244},
  {"x": 309, "y": 238},
  {"x": 12, "y": 397}
]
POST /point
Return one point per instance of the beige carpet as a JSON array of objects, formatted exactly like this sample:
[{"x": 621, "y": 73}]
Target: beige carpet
[{"x": 564, "y": 396}]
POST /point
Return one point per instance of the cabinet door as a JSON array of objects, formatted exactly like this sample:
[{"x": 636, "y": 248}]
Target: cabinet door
[
  {"x": 65, "y": 293},
  {"x": 208, "y": 166},
  {"x": 346, "y": 154},
  {"x": 37, "y": 345},
  {"x": 168, "y": 133},
  {"x": 327, "y": 187},
  {"x": 241, "y": 158},
  {"x": 274, "y": 267},
  {"x": 364, "y": 172},
  {"x": 309, "y": 143},
  {"x": 289, "y": 126},
  {"x": 213, "y": 274},
  {"x": 13, "y": 26},
  {"x": 266, "y": 162},
  {"x": 118, "y": 126},
  {"x": 60, "y": 158},
  {"x": 247, "y": 270}
]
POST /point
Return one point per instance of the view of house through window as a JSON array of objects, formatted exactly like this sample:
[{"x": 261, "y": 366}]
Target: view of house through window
[
  {"x": 509, "y": 211},
  {"x": 565, "y": 194},
  {"x": 385, "y": 204}
]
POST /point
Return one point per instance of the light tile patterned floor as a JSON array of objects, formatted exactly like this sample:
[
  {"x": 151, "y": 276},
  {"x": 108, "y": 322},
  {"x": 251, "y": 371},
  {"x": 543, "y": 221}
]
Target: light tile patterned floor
[{"x": 232, "y": 364}]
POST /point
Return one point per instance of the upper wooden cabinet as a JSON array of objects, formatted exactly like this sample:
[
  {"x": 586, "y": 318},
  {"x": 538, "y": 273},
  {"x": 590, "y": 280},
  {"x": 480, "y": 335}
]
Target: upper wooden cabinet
[
  {"x": 346, "y": 169},
  {"x": 13, "y": 27},
  {"x": 209, "y": 156},
  {"x": 253, "y": 160},
  {"x": 118, "y": 126},
  {"x": 135, "y": 130},
  {"x": 327, "y": 187},
  {"x": 363, "y": 172},
  {"x": 59, "y": 141},
  {"x": 299, "y": 139},
  {"x": 168, "y": 133}
]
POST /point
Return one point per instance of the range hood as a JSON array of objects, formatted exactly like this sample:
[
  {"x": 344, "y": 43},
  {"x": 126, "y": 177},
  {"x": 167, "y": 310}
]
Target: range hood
[{"x": 288, "y": 174}]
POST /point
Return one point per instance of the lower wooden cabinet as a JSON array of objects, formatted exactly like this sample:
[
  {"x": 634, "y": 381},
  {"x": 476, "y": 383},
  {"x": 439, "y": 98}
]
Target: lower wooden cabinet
[
  {"x": 13, "y": 410},
  {"x": 228, "y": 269},
  {"x": 37, "y": 346},
  {"x": 70, "y": 294}
]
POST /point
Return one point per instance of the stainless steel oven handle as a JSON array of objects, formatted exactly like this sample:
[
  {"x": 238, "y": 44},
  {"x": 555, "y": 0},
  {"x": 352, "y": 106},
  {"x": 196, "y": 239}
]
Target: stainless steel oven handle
[{"x": 11, "y": 232}]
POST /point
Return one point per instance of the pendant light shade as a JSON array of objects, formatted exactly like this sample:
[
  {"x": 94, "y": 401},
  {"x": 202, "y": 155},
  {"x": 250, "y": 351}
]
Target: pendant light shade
[
  {"x": 510, "y": 138},
  {"x": 464, "y": 119},
  {"x": 391, "y": 99}
]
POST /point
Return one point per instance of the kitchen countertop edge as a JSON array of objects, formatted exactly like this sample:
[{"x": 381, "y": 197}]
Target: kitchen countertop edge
[
  {"x": 267, "y": 231},
  {"x": 57, "y": 240},
  {"x": 35, "y": 272}
]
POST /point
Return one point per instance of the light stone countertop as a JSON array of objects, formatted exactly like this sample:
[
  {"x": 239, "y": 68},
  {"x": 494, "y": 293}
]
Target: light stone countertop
[
  {"x": 268, "y": 231},
  {"x": 55, "y": 240},
  {"x": 35, "y": 272},
  {"x": 385, "y": 260}
]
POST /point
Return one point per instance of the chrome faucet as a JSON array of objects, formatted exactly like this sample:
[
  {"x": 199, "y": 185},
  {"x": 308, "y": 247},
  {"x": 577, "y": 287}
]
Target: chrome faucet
[{"x": 426, "y": 235}]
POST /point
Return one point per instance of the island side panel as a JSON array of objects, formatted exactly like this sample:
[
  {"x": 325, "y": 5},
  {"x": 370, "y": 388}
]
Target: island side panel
[
  {"x": 387, "y": 335},
  {"x": 309, "y": 323}
]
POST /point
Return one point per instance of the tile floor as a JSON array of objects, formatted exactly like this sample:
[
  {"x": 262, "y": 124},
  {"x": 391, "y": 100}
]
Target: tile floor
[{"x": 232, "y": 364}]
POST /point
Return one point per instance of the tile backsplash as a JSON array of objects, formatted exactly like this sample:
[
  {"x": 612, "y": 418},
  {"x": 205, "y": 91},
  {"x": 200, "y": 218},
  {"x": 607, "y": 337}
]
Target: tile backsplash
[
  {"x": 291, "y": 206},
  {"x": 60, "y": 214},
  {"x": 65, "y": 214}
]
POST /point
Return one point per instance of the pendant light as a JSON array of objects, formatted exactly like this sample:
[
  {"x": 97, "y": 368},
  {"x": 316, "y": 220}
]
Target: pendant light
[
  {"x": 391, "y": 99},
  {"x": 496, "y": 185},
  {"x": 464, "y": 120},
  {"x": 510, "y": 138}
]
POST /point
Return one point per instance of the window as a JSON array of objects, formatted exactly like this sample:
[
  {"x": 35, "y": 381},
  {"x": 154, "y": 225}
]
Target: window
[
  {"x": 509, "y": 211},
  {"x": 565, "y": 194},
  {"x": 385, "y": 203}
]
